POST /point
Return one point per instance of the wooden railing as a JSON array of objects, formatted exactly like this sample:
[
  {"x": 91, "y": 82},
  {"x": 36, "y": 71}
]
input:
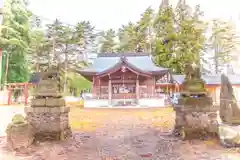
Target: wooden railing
[{"x": 124, "y": 96}]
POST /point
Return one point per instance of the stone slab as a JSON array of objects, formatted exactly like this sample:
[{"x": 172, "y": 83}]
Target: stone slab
[
  {"x": 47, "y": 109},
  {"x": 48, "y": 102},
  {"x": 48, "y": 82},
  {"x": 38, "y": 102},
  {"x": 188, "y": 108},
  {"x": 229, "y": 135},
  {"x": 52, "y": 102},
  {"x": 46, "y": 93}
]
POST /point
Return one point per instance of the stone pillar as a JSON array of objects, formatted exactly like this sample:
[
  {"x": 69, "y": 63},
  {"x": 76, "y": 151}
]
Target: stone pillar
[{"x": 109, "y": 92}]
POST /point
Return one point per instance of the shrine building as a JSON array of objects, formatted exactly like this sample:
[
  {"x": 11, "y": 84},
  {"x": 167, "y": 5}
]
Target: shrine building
[{"x": 126, "y": 79}]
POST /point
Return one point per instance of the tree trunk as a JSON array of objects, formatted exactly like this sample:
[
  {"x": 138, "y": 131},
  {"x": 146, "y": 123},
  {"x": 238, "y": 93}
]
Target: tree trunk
[
  {"x": 6, "y": 71},
  {"x": 216, "y": 54},
  {"x": 65, "y": 73},
  {"x": 37, "y": 65},
  {"x": 49, "y": 60}
]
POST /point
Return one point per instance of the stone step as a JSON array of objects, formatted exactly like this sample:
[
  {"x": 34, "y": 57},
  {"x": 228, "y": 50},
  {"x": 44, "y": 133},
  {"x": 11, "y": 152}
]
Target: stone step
[{"x": 48, "y": 102}]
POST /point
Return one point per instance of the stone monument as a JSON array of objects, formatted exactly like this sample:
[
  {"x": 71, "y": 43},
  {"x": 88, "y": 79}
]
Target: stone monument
[
  {"x": 196, "y": 117},
  {"x": 20, "y": 134},
  {"x": 48, "y": 113},
  {"x": 229, "y": 115}
]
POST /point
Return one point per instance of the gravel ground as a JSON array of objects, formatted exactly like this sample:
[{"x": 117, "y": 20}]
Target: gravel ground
[{"x": 127, "y": 137}]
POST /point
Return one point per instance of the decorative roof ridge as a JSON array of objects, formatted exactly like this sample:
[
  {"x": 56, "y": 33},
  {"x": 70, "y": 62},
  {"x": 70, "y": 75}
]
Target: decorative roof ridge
[
  {"x": 124, "y": 54},
  {"x": 121, "y": 61}
]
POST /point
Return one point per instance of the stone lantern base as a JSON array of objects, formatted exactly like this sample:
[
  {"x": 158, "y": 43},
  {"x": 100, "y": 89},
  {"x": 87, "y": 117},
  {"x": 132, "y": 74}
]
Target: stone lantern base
[
  {"x": 193, "y": 123},
  {"x": 49, "y": 123}
]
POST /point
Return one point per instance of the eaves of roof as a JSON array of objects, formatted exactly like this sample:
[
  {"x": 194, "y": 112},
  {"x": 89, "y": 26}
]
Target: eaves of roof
[
  {"x": 123, "y": 62},
  {"x": 140, "y": 63}
]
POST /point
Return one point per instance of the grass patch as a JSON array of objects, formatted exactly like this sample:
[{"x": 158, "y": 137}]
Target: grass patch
[{"x": 83, "y": 125}]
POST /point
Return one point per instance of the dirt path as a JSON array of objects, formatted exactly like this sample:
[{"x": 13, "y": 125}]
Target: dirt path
[{"x": 123, "y": 135}]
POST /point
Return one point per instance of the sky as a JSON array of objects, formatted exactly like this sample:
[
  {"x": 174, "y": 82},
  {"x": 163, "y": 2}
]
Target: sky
[{"x": 106, "y": 14}]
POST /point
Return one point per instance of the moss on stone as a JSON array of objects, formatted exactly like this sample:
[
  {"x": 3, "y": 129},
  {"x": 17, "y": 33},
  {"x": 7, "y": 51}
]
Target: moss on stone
[
  {"x": 18, "y": 119},
  {"x": 194, "y": 86}
]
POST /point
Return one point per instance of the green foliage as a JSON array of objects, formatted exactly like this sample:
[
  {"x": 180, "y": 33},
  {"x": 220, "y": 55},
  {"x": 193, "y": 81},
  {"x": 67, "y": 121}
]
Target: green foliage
[
  {"x": 191, "y": 38},
  {"x": 165, "y": 41},
  {"x": 107, "y": 42},
  {"x": 64, "y": 44},
  {"x": 77, "y": 83},
  {"x": 15, "y": 39},
  {"x": 179, "y": 36},
  {"x": 136, "y": 36},
  {"x": 18, "y": 68},
  {"x": 127, "y": 36}
]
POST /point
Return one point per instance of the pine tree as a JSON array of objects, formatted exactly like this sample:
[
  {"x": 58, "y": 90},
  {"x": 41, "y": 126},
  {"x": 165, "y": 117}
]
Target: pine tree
[
  {"x": 144, "y": 30},
  {"x": 191, "y": 35},
  {"x": 15, "y": 40},
  {"x": 165, "y": 37},
  {"x": 127, "y": 36},
  {"x": 86, "y": 40},
  {"x": 223, "y": 41},
  {"x": 107, "y": 43}
]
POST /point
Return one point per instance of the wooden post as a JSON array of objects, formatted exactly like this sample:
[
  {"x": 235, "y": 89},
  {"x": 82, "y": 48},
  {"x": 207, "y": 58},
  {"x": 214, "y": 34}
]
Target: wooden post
[
  {"x": 100, "y": 88},
  {"x": 167, "y": 89},
  {"x": 137, "y": 88},
  {"x": 153, "y": 86},
  {"x": 215, "y": 95},
  {"x": 109, "y": 91},
  {"x": 93, "y": 87},
  {"x": 26, "y": 94},
  {"x": 9, "y": 96},
  {"x": 167, "y": 83}
]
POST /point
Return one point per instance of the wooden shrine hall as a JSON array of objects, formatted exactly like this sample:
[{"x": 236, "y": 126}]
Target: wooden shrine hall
[{"x": 126, "y": 79}]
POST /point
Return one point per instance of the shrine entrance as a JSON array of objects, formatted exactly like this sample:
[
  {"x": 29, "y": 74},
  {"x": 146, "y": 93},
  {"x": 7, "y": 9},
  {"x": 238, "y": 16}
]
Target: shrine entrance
[
  {"x": 17, "y": 93},
  {"x": 124, "y": 94},
  {"x": 122, "y": 87},
  {"x": 124, "y": 90}
]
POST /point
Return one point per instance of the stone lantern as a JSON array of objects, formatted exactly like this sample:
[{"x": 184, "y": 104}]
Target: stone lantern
[{"x": 195, "y": 114}]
